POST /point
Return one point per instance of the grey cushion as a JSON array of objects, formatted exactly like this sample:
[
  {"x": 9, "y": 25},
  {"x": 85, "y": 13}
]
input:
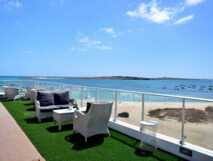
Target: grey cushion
[
  {"x": 45, "y": 98},
  {"x": 61, "y": 98},
  {"x": 55, "y": 108}
]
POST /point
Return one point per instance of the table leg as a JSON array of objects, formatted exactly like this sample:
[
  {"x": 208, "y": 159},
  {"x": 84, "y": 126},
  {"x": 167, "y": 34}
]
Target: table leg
[{"x": 59, "y": 126}]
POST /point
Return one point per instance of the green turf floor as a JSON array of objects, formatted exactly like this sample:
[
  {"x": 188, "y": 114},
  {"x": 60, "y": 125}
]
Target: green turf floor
[{"x": 68, "y": 146}]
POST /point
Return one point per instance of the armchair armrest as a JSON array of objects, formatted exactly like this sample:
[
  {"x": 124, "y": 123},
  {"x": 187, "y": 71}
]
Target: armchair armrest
[
  {"x": 37, "y": 104},
  {"x": 79, "y": 115},
  {"x": 80, "y": 120}
]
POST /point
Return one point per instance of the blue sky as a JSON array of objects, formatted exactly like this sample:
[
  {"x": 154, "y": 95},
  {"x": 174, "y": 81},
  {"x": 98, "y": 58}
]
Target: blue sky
[{"x": 152, "y": 38}]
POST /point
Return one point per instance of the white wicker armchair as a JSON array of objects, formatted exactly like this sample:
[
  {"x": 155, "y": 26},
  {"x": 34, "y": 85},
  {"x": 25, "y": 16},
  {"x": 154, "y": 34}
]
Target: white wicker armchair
[
  {"x": 94, "y": 122},
  {"x": 11, "y": 92}
]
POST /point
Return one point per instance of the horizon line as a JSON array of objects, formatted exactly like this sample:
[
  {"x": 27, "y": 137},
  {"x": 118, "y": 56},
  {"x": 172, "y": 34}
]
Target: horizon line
[{"x": 108, "y": 76}]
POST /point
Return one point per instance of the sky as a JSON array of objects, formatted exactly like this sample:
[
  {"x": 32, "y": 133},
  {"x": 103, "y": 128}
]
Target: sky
[{"x": 147, "y": 38}]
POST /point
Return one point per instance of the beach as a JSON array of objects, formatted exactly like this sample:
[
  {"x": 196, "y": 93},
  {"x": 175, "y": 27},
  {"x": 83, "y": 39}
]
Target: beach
[{"x": 199, "y": 133}]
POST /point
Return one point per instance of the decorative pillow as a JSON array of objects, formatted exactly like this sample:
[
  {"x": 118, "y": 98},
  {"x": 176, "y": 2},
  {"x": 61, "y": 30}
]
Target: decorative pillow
[
  {"x": 61, "y": 98},
  {"x": 45, "y": 98}
]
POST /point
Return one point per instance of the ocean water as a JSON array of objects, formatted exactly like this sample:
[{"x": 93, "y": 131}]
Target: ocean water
[{"x": 201, "y": 88}]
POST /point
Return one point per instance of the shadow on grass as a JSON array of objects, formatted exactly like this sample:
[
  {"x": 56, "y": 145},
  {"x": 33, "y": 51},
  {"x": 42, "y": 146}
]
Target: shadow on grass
[
  {"x": 127, "y": 140},
  {"x": 140, "y": 152},
  {"x": 147, "y": 154},
  {"x": 6, "y": 100},
  {"x": 24, "y": 99},
  {"x": 79, "y": 143},
  {"x": 30, "y": 109},
  {"x": 29, "y": 104},
  {"x": 54, "y": 129},
  {"x": 34, "y": 120}
]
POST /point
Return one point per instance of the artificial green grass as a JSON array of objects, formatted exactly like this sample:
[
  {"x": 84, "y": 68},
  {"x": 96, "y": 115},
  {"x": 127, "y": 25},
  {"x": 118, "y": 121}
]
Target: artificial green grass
[{"x": 68, "y": 146}]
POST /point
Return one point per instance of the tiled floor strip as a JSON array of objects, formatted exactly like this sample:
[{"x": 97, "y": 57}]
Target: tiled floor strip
[{"x": 14, "y": 144}]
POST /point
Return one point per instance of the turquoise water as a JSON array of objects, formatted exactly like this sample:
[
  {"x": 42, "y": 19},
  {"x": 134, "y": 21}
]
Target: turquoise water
[{"x": 196, "y": 88}]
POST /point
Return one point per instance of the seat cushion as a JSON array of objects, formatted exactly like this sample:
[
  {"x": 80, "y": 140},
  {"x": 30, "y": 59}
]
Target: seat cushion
[
  {"x": 61, "y": 98},
  {"x": 51, "y": 108},
  {"x": 63, "y": 106},
  {"x": 45, "y": 98},
  {"x": 48, "y": 108}
]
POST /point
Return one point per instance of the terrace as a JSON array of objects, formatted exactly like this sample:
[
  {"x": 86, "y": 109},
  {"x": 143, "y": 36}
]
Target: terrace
[{"x": 180, "y": 136}]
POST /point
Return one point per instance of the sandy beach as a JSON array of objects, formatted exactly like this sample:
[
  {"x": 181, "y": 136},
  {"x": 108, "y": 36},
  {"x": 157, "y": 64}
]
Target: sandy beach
[{"x": 197, "y": 133}]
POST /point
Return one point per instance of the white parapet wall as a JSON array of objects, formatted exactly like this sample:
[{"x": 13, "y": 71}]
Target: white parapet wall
[{"x": 166, "y": 143}]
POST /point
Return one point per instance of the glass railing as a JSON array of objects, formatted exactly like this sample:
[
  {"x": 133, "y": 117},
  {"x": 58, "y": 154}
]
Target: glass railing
[
  {"x": 198, "y": 127},
  {"x": 165, "y": 110},
  {"x": 187, "y": 119},
  {"x": 129, "y": 107}
]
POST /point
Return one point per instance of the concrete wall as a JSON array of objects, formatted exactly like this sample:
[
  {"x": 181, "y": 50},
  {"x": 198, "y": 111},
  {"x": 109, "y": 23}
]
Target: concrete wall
[{"x": 166, "y": 143}]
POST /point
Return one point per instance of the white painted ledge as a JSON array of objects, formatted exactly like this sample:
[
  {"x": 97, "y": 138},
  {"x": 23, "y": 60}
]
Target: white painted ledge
[{"x": 166, "y": 143}]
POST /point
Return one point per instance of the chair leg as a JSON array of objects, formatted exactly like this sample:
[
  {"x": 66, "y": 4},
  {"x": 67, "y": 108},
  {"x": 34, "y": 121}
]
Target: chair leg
[
  {"x": 108, "y": 132},
  {"x": 85, "y": 139}
]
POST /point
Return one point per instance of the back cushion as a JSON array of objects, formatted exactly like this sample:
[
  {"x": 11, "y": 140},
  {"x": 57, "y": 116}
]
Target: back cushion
[
  {"x": 45, "y": 98},
  {"x": 61, "y": 98}
]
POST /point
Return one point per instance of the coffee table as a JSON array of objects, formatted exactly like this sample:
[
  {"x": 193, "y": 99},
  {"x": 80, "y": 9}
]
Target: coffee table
[{"x": 63, "y": 115}]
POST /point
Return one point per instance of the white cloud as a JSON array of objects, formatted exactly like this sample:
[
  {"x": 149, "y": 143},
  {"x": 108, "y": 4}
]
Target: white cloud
[
  {"x": 110, "y": 31},
  {"x": 87, "y": 42},
  {"x": 184, "y": 19},
  {"x": 152, "y": 12},
  {"x": 11, "y": 3},
  {"x": 193, "y": 2}
]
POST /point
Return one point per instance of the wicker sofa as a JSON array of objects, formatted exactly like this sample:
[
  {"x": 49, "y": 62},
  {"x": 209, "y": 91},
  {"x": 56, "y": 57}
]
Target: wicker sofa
[{"x": 48, "y": 101}]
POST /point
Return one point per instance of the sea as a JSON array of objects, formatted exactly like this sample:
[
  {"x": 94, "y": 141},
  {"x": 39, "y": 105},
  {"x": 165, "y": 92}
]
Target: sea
[{"x": 201, "y": 88}]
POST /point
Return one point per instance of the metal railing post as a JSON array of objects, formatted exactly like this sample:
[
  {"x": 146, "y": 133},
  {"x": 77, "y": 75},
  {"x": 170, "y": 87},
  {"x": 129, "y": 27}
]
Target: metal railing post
[
  {"x": 142, "y": 110},
  {"x": 82, "y": 96},
  {"x": 183, "y": 137},
  {"x": 96, "y": 95},
  {"x": 70, "y": 92},
  {"x": 116, "y": 106}
]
